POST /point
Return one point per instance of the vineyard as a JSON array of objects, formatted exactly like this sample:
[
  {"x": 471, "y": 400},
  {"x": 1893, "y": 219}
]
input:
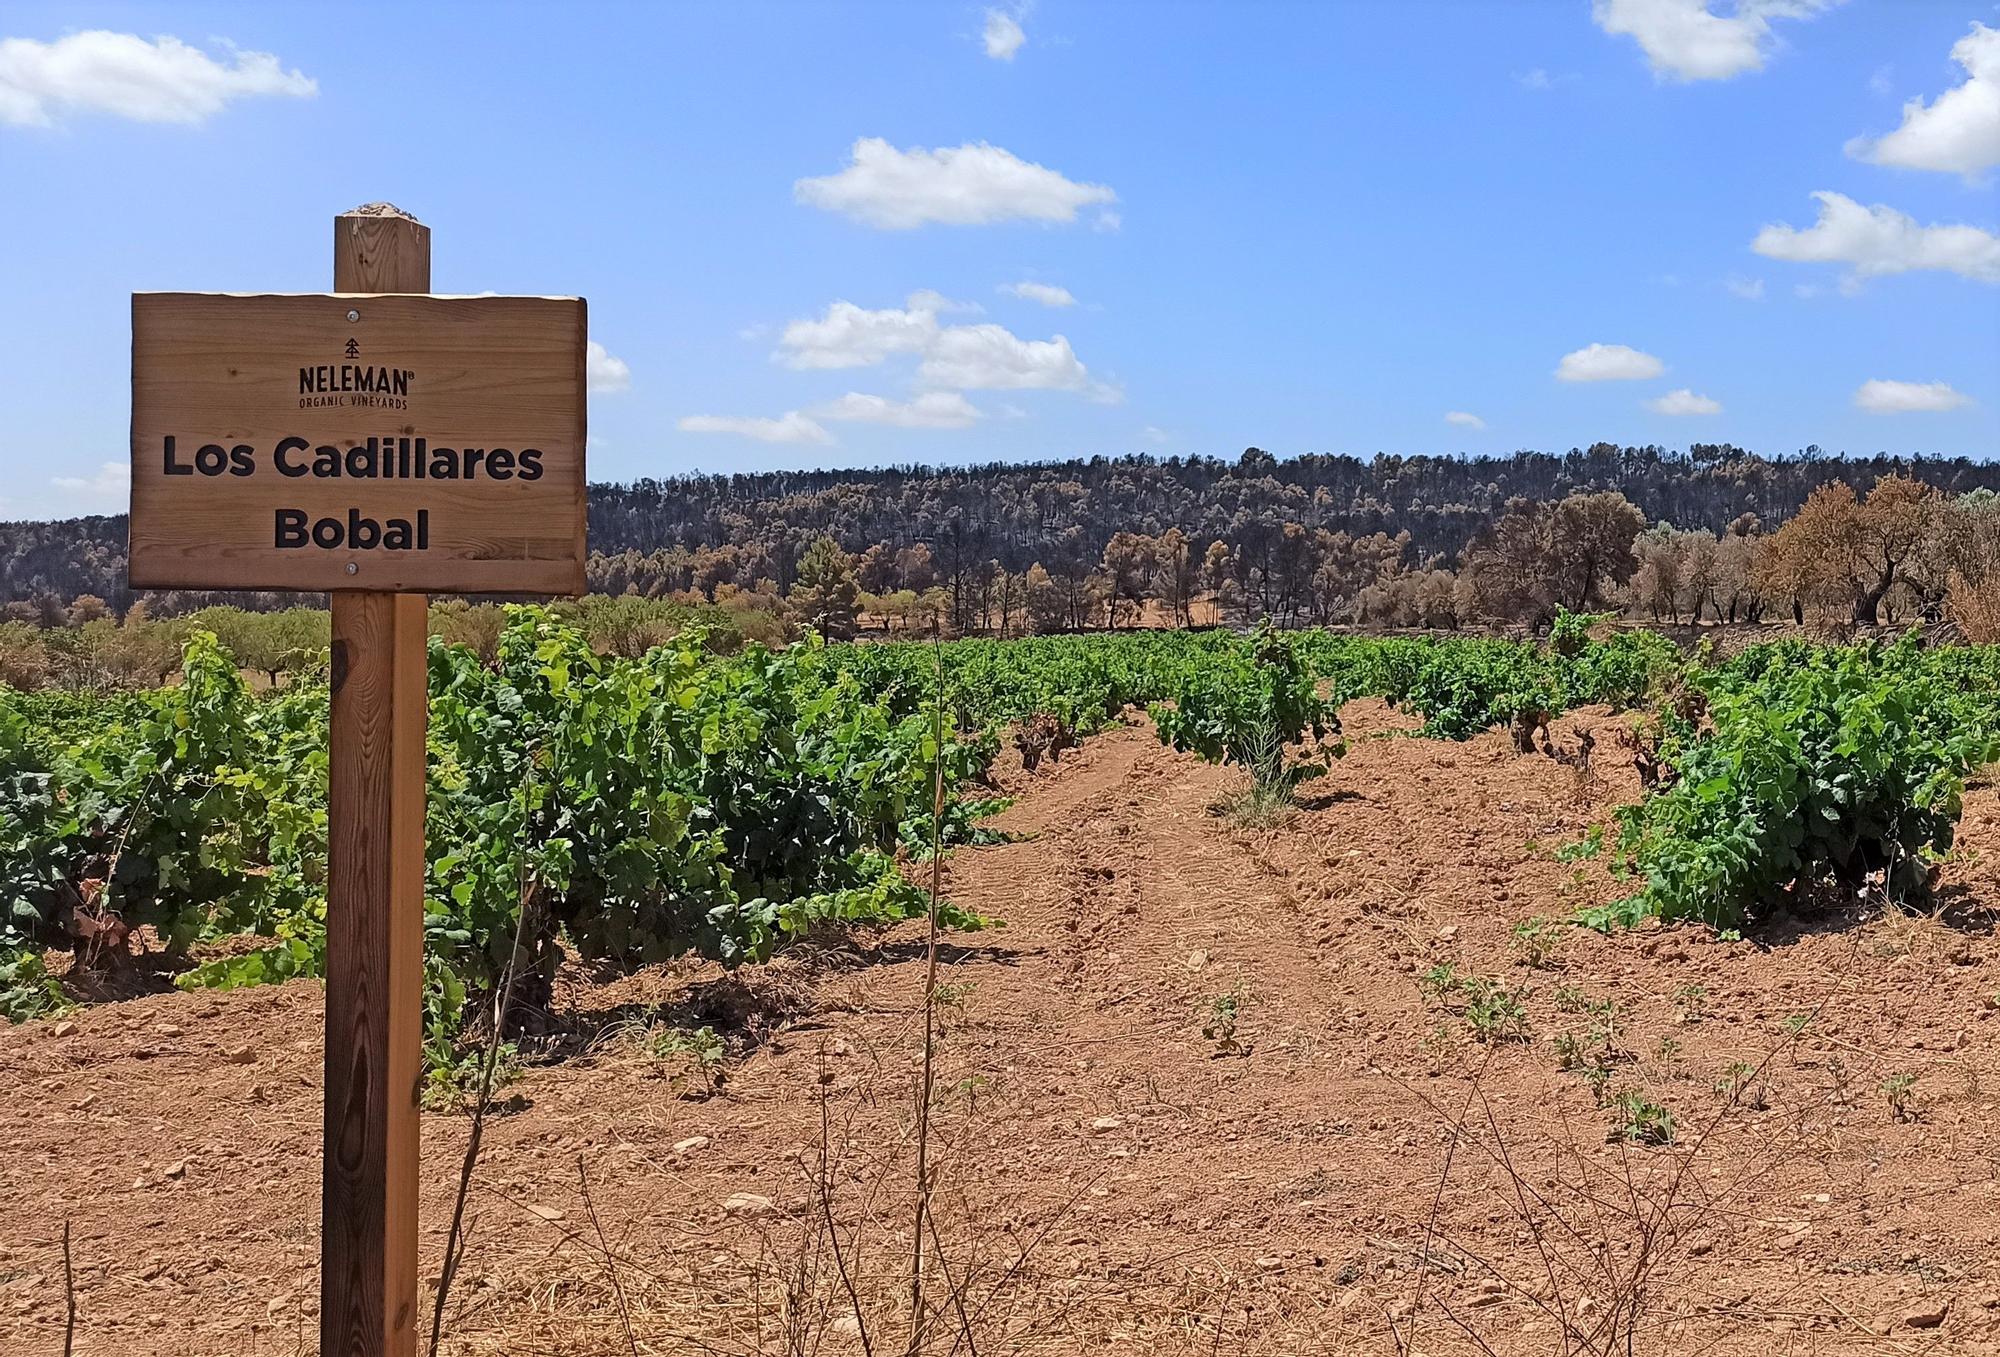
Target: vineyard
[
  {"x": 715, "y": 804},
  {"x": 692, "y": 802}
]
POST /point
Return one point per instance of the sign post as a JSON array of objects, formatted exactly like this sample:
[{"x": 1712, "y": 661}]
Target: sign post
[
  {"x": 377, "y": 443},
  {"x": 375, "y": 908}
]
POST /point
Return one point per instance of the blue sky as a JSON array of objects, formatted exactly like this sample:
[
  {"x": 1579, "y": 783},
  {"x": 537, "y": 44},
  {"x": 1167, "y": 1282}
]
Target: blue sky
[{"x": 1311, "y": 228}]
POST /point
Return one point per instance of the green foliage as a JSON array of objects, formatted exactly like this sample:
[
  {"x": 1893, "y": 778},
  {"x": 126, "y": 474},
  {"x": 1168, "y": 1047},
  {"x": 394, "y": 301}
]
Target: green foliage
[
  {"x": 1495, "y": 1012},
  {"x": 1246, "y": 706},
  {"x": 1822, "y": 767},
  {"x": 1538, "y": 941},
  {"x": 1464, "y": 685},
  {"x": 1638, "y": 1121},
  {"x": 1224, "y": 1013},
  {"x": 639, "y": 809}
]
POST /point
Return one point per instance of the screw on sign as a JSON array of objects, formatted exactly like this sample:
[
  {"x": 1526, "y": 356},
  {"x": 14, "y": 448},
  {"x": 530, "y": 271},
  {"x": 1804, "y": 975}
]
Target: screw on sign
[{"x": 271, "y": 449}]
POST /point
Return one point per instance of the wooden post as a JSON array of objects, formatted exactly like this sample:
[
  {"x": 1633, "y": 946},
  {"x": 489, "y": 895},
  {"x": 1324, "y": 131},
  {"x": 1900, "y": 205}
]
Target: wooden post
[{"x": 375, "y": 906}]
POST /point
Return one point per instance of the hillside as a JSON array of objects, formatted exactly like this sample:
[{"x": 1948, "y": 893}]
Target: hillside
[{"x": 1057, "y": 512}]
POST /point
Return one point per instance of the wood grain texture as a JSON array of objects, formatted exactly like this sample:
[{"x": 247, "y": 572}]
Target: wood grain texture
[
  {"x": 374, "y": 923},
  {"x": 248, "y": 371},
  {"x": 379, "y": 249},
  {"x": 374, "y": 976}
]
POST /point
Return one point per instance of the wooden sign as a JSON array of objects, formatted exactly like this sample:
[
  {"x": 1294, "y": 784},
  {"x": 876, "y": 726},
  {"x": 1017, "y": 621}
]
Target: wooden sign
[
  {"x": 381, "y": 443},
  {"x": 406, "y": 443}
]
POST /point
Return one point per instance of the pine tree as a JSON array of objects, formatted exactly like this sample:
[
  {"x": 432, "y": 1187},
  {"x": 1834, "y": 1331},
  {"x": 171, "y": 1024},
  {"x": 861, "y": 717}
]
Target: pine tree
[{"x": 826, "y": 595}]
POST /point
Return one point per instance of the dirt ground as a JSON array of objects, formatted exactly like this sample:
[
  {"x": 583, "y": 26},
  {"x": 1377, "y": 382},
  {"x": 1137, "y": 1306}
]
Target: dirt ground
[{"x": 1344, "y": 1167}]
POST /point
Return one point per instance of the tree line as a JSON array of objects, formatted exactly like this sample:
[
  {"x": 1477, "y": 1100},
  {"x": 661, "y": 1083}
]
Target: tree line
[{"x": 1717, "y": 533}]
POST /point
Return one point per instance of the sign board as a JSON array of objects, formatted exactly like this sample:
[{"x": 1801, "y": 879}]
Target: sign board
[{"x": 393, "y": 442}]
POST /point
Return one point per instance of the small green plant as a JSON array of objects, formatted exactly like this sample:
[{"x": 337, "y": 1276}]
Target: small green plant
[
  {"x": 1896, "y": 1088},
  {"x": 1224, "y": 1011},
  {"x": 1605, "y": 1023},
  {"x": 698, "y": 1053},
  {"x": 955, "y": 994},
  {"x": 1739, "y": 1083},
  {"x": 1597, "y": 1076},
  {"x": 1589, "y": 846},
  {"x": 1797, "y": 1023},
  {"x": 1537, "y": 941},
  {"x": 1592, "y": 1052},
  {"x": 1690, "y": 1005},
  {"x": 1438, "y": 982},
  {"x": 451, "y": 1075},
  {"x": 1669, "y": 1050},
  {"x": 1640, "y": 1121},
  {"x": 1495, "y": 1012},
  {"x": 1570, "y": 999}
]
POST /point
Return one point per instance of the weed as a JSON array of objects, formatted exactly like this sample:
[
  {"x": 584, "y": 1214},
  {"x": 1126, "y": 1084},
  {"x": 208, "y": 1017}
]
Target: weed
[
  {"x": 1593, "y": 1051},
  {"x": 1260, "y": 805},
  {"x": 1641, "y": 1122},
  {"x": 1224, "y": 1011},
  {"x": 1570, "y": 999},
  {"x": 956, "y": 994},
  {"x": 699, "y": 1053},
  {"x": 451, "y": 1077},
  {"x": 1495, "y": 1012},
  {"x": 1536, "y": 942},
  {"x": 1438, "y": 982},
  {"x": 1589, "y": 846},
  {"x": 1896, "y": 1088},
  {"x": 1597, "y": 1076},
  {"x": 1690, "y": 1005}
]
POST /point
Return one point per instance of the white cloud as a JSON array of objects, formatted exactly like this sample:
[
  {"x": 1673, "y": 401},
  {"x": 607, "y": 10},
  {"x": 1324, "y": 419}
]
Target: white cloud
[
  {"x": 1003, "y": 34},
  {"x": 1537, "y": 79},
  {"x": 790, "y": 427},
  {"x": 850, "y": 336},
  {"x": 112, "y": 483},
  {"x": 1608, "y": 363},
  {"x": 1683, "y": 402},
  {"x": 1107, "y": 220},
  {"x": 971, "y": 185},
  {"x": 1685, "y": 40},
  {"x": 993, "y": 358},
  {"x": 961, "y": 357},
  {"x": 1464, "y": 420},
  {"x": 124, "y": 75},
  {"x": 1880, "y": 397},
  {"x": 603, "y": 371},
  {"x": 1805, "y": 292},
  {"x": 1880, "y": 240},
  {"x": 1749, "y": 289},
  {"x": 1960, "y": 132},
  {"x": 1882, "y": 83},
  {"x": 1155, "y": 435},
  {"x": 931, "y": 410},
  {"x": 1048, "y": 294}
]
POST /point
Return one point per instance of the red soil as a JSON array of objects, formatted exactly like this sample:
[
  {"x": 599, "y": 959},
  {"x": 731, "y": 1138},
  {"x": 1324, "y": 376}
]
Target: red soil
[{"x": 1111, "y": 1179}]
